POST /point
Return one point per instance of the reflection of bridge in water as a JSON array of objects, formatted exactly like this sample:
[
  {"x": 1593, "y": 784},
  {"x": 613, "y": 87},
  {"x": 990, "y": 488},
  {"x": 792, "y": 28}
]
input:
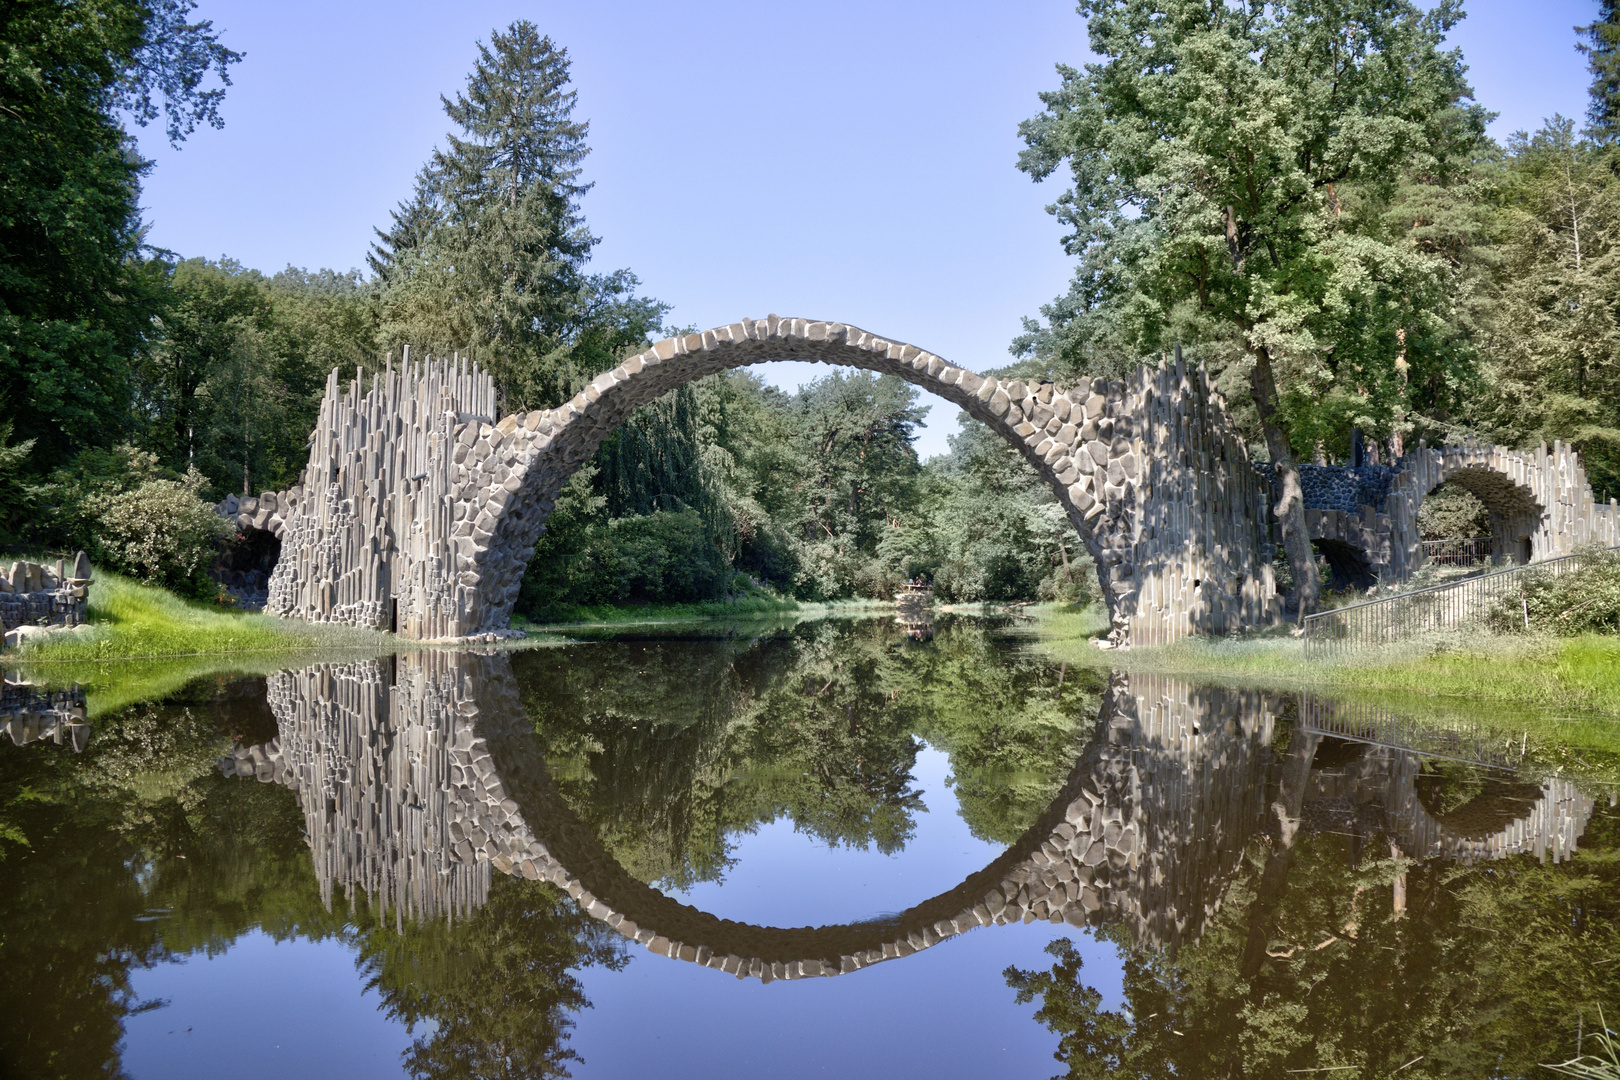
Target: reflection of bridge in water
[{"x": 419, "y": 776}]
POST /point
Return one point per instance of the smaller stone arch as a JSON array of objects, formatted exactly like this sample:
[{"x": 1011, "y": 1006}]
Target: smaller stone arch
[
  {"x": 246, "y": 569},
  {"x": 1540, "y": 502},
  {"x": 1542, "y": 818}
]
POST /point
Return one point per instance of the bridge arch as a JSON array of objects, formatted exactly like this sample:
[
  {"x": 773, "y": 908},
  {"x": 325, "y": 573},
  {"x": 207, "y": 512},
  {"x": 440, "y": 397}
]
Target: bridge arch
[
  {"x": 420, "y": 509},
  {"x": 1540, "y": 503}
]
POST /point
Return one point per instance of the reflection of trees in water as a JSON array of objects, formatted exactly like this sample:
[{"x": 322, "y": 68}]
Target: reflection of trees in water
[
  {"x": 138, "y": 853},
  {"x": 669, "y": 747},
  {"x": 497, "y": 988},
  {"x": 1487, "y": 972}
]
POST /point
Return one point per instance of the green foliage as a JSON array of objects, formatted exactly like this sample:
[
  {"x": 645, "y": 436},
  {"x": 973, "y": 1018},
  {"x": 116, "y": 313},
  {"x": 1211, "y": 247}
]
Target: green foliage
[
  {"x": 853, "y": 435},
  {"x": 76, "y": 299},
  {"x": 1234, "y": 168},
  {"x": 1233, "y": 171},
  {"x": 1602, "y": 49},
  {"x": 496, "y": 989},
  {"x": 489, "y": 254},
  {"x": 131, "y": 620},
  {"x": 1550, "y": 334},
  {"x": 1093, "y": 1040},
  {"x": 1583, "y": 601},
  {"x": 1568, "y": 688},
  {"x": 996, "y": 530},
  {"x": 1452, "y": 513},
  {"x": 73, "y": 300},
  {"x": 1486, "y": 973},
  {"x": 819, "y": 495},
  {"x": 664, "y": 555},
  {"x": 18, "y": 495},
  {"x": 671, "y": 748},
  {"x": 162, "y": 532}
]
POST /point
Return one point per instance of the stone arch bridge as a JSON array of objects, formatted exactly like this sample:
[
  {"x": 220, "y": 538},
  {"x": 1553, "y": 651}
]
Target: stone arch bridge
[
  {"x": 420, "y": 506},
  {"x": 1539, "y": 503},
  {"x": 420, "y": 776}
]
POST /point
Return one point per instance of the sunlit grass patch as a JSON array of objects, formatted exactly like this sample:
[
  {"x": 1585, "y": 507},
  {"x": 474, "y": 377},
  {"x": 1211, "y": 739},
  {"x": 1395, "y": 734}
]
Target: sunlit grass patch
[
  {"x": 1579, "y": 674},
  {"x": 130, "y": 620},
  {"x": 571, "y": 616}
]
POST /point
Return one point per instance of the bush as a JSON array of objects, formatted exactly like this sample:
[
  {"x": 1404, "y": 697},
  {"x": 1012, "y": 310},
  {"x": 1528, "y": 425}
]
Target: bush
[
  {"x": 664, "y": 557},
  {"x": 1452, "y": 513},
  {"x": 160, "y": 531},
  {"x": 1585, "y": 601}
]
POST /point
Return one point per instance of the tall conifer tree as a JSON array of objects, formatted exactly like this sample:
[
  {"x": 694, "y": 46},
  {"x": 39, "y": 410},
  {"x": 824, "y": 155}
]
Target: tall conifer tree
[
  {"x": 1602, "y": 49},
  {"x": 489, "y": 254}
]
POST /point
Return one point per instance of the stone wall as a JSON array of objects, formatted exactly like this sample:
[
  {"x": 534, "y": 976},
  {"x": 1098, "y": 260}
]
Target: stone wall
[
  {"x": 419, "y": 510},
  {"x": 37, "y": 595}
]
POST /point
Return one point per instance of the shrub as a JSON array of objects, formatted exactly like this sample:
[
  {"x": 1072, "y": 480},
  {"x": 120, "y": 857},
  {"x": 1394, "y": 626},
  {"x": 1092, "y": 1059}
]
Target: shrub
[
  {"x": 1452, "y": 513},
  {"x": 160, "y": 531},
  {"x": 663, "y": 557},
  {"x": 1584, "y": 601}
]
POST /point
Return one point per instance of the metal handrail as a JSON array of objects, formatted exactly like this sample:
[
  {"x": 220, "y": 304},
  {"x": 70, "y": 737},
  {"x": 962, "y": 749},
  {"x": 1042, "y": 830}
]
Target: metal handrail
[
  {"x": 1380, "y": 620},
  {"x": 1458, "y": 551}
]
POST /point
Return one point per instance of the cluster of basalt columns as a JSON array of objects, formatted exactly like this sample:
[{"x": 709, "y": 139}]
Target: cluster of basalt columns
[{"x": 419, "y": 511}]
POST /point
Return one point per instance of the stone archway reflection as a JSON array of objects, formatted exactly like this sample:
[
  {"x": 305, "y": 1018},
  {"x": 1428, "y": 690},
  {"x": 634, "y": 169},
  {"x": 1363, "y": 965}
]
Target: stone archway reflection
[{"x": 420, "y": 777}]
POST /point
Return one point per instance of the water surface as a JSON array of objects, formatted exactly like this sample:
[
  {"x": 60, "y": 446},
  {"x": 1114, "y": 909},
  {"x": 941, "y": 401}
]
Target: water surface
[{"x": 838, "y": 848}]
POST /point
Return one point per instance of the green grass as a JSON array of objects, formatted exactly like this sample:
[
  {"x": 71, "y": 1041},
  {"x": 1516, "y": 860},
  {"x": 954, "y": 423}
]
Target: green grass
[
  {"x": 1580, "y": 674},
  {"x": 749, "y": 607},
  {"x": 1558, "y": 697},
  {"x": 128, "y": 620}
]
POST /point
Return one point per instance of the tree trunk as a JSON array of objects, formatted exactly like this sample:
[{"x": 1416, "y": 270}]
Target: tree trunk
[
  {"x": 1290, "y": 508},
  {"x": 1296, "y": 775}
]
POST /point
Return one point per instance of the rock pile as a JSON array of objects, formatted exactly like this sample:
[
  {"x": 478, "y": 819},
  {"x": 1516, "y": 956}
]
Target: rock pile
[
  {"x": 269, "y": 512},
  {"x": 34, "y": 598},
  {"x": 29, "y": 713}
]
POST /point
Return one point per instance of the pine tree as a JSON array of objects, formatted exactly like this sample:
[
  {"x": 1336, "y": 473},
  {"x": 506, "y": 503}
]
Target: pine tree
[
  {"x": 1602, "y": 49},
  {"x": 489, "y": 253}
]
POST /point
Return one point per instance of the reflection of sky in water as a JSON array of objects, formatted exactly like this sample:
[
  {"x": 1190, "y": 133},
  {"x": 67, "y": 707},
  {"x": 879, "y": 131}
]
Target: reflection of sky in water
[
  {"x": 262, "y": 1009},
  {"x": 297, "y": 1009},
  {"x": 944, "y": 1012}
]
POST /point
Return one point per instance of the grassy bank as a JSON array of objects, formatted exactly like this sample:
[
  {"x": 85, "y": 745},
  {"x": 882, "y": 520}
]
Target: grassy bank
[
  {"x": 128, "y": 621},
  {"x": 1564, "y": 675},
  {"x": 750, "y": 607}
]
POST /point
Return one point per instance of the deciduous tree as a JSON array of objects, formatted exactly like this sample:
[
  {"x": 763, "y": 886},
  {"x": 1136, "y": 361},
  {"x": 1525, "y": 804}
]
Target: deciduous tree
[{"x": 1230, "y": 164}]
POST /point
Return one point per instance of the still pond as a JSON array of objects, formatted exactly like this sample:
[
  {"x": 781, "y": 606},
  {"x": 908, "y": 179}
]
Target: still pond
[{"x": 843, "y": 848}]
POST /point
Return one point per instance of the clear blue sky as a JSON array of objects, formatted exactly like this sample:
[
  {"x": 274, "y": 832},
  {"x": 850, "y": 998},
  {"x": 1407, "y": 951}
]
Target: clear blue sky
[{"x": 838, "y": 160}]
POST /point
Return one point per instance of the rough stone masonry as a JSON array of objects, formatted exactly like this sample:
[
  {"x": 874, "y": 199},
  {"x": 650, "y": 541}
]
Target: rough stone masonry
[{"x": 420, "y": 508}]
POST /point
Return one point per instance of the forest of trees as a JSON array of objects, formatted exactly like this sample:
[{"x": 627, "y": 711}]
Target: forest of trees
[{"x": 1303, "y": 199}]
